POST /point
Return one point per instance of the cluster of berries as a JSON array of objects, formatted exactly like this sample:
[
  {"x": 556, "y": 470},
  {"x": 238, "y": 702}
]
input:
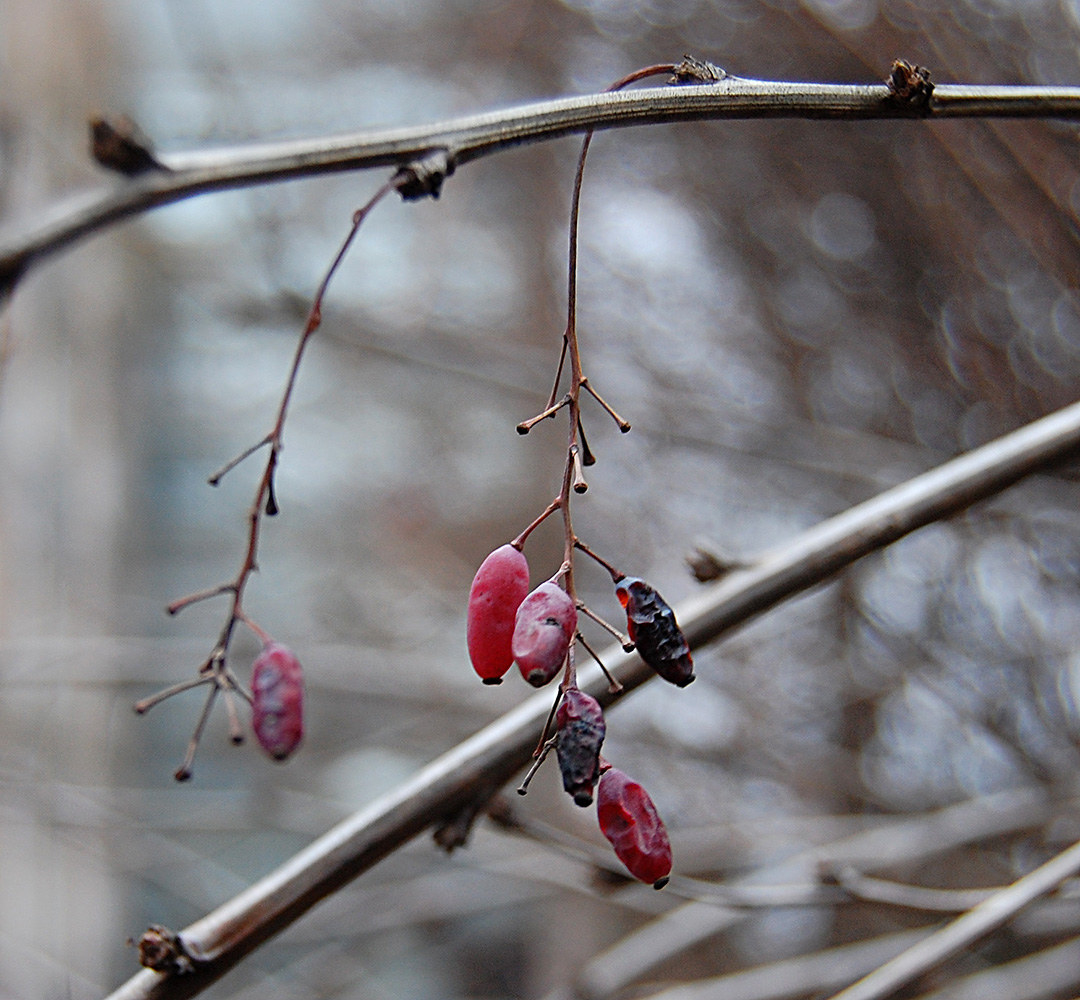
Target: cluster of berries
[{"x": 508, "y": 624}]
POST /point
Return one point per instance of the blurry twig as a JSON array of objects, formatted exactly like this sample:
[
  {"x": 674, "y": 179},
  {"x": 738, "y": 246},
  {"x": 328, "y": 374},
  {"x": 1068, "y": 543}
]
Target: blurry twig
[
  {"x": 795, "y": 977},
  {"x": 989, "y": 915},
  {"x": 1047, "y": 973},
  {"x": 186, "y": 174},
  {"x": 492, "y": 756},
  {"x": 908, "y": 839}
]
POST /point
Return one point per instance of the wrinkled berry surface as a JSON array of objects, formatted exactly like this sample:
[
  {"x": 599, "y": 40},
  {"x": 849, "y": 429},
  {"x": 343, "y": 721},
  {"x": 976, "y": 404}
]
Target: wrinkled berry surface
[
  {"x": 277, "y": 709},
  {"x": 543, "y": 629},
  {"x": 581, "y": 729},
  {"x": 499, "y": 587},
  {"x": 629, "y": 820},
  {"x": 653, "y": 629}
]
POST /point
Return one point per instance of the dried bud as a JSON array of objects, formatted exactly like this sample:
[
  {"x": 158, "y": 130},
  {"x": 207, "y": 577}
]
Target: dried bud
[
  {"x": 544, "y": 625},
  {"x": 652, "y": 626},
  {"x": 277, "y": 691},
  {"x": 629, "y": 820},
  {"x": 581, "y": 728}
]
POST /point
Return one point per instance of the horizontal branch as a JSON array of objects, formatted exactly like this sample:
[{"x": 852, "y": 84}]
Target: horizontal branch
[
  {"x": 465, "y": 139},
  {"x": 469, "y": 773}
]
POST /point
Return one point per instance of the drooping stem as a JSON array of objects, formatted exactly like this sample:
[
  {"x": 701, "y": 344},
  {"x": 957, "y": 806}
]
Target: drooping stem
[
  {"x": 573, "y": 474},
  {"x": 214, "y": 671}
]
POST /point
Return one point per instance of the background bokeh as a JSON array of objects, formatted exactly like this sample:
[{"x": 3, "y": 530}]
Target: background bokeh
[{"x": 793, "y": 315}]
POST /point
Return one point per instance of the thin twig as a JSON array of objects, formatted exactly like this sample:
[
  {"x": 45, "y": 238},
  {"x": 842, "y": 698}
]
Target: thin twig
[
  {"x": 493, "y": 755},
  {"x": 215, "y": 670}
]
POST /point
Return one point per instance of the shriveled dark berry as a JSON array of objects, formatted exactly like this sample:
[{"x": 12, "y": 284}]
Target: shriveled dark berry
[
  {"x": 581, "y": 728},
  {"x": 653, "y": 629},
  {"x": 629, "y": 820}
]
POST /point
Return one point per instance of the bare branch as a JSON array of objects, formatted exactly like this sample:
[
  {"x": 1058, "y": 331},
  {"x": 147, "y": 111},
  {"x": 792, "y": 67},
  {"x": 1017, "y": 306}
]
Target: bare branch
[
  {"x": 492, "y": 756},
  {"x": 989, "y": 915},
  {"x": 796, "y": 977},
  {"x": 465, "y": 139}
]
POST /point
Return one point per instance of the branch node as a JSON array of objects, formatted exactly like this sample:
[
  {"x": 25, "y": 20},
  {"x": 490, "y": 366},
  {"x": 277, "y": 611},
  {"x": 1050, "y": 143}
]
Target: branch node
[
  {"x": 163, "y": 950},
  {"x": 425, "y": 176},
  {"x": 708, "y": 562},
  {"x": 121, "y": 146},
  {"x": 692, "y": 70},
  {"x": 909, "y": 85}
]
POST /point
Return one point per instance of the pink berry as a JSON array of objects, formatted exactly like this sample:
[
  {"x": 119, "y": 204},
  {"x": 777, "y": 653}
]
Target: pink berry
[
  {"x": 581, "y": 729},
  {"x": 277, "y": 692},
  {"x": 629, "y": 820},
  {"x": 543, "y": 629},
  {"x": 653, "y": 629},
  {"x": 499, "y": 587}
]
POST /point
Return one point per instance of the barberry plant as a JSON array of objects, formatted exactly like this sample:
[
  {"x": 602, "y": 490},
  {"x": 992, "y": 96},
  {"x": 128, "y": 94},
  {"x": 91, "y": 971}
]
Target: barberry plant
[{"x": 544, "y": 633}]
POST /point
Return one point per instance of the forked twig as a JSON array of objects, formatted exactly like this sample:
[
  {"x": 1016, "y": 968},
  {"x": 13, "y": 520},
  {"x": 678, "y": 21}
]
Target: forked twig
[{"x": 215, "y": 672}]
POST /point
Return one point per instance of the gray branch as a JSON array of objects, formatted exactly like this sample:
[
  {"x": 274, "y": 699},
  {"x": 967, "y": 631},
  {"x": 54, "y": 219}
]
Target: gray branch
[
  {"x": 964, "y": 931},
  {"x": 468, "y": 774},
  {"x": 464, "y": 139}
]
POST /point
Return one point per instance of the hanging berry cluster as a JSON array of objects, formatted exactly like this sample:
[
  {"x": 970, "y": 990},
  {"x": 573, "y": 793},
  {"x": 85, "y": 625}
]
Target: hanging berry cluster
[{"x": 538, "y": 630}]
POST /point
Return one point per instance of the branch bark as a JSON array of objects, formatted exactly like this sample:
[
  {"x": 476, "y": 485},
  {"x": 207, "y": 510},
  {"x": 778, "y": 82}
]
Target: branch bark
[
  {"x": 468, "y": 138},
  {"x": 472, "y": 771}
]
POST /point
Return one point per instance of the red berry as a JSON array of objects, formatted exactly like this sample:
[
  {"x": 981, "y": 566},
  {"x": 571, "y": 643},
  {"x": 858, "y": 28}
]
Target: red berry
[
  {"x": 629, "y": 820},
  {"x": 653, "y": 629},
  {"x": 277, "y": 707},
  {"x": 500, "y": 585},
  {"x": 545, "y": 624},
  {"x": 581, "y": 729}
]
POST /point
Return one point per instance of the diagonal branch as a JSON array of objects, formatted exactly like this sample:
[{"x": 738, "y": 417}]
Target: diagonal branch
[
  {"x": 468, "y": 138},
  {"x": 964, "y": 931},
  {"x": 473, "y": 770}
]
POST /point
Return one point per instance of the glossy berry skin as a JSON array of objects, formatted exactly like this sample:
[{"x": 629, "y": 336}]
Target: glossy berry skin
[
  {"x": 653, "y": 629},
  {"x": 580, "y": 735},
  {"x": 545, "y": 625},
  {"x": 277, "y": 708},
  {"x": 629, "y": 820},
  {"x": 499, "y": 587}
]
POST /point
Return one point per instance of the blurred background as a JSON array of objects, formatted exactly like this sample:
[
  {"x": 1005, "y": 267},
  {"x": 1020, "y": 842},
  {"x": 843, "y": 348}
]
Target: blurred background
[{"x": 793, "y": 315}]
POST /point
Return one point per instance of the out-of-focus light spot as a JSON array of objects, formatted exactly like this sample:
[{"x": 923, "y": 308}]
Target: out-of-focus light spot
[
  {"x": 842, "y": 226},
  {"x": 358, "y": 778},
  {"x": 896, "y": 605},
  {"x": 809, "y": 304},
  {"x": 614, "y": 17},
  {"x": 849, "y": 393},
  {"x": 844, "y": 15},
  {"x": 1007, "y": 583},
  {"x": 647, "y": 229}
]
